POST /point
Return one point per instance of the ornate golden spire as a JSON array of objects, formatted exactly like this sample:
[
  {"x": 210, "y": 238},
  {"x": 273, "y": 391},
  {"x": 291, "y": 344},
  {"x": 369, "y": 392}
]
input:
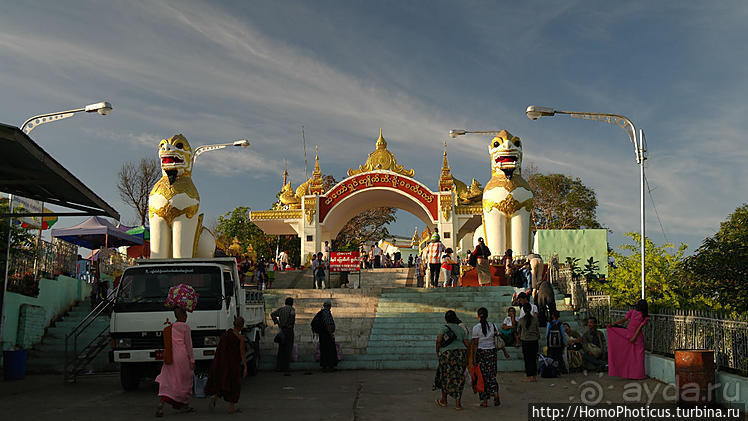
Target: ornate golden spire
[
  {"x": 414, "y": 241},
  {"x": 285, "y": 173},
  {"x": 446, "y": 182},
  {"x": 381, "y": 159},
  {"x": 316, "y": 186}
]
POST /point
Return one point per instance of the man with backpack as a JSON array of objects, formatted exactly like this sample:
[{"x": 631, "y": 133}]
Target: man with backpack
[
  {"x": 556, "y": 339},
  {"x": 324, "y": 325}
]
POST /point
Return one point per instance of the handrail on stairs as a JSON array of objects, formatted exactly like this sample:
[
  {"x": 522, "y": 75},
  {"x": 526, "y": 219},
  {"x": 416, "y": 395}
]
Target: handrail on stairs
[{"x": 69, "y": 369}]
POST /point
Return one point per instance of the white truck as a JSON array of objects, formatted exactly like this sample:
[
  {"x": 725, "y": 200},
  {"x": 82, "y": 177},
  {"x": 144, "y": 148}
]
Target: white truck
[{"x": 139, "y": 315}]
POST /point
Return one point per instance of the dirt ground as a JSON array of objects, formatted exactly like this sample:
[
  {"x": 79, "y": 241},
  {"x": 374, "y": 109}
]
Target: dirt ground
[{"x": 344, "y": 395}]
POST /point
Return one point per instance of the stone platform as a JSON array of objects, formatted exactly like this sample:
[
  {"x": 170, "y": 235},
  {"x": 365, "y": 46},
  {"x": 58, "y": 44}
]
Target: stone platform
[{"x": 390, "y": 327}]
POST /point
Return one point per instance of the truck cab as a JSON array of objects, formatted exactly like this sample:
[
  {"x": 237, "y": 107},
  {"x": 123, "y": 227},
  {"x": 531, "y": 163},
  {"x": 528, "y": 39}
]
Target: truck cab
[{"x": 139, "y": 314}]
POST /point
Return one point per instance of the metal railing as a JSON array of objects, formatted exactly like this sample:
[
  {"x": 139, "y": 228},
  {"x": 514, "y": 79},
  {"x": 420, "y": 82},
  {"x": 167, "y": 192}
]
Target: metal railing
[
  {"x": 562, "y": 280},
  {"x": 598, "y": 306},
  {"x": 668, "y": 331},
  {"x": 77, "y": 356},
  {"x": 31, "y": 262}
]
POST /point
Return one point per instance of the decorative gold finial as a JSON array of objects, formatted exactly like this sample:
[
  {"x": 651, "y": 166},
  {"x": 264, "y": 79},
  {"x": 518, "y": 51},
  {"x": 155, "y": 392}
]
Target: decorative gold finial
[
  {"x": 446, "y": 181},
  {"x": 285, "y": 172},
  {"x": 381, "y": 159},
  {"x": 316, "y": 160},
  {"x": 381, "y": 143},
  {"x": 316, "y": 186}
]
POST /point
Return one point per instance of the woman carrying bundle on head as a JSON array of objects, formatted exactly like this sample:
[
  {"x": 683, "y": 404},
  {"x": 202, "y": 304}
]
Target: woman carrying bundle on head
[
  {"x": 485, "y": 355},
  {"x": 177, "y": 372}
]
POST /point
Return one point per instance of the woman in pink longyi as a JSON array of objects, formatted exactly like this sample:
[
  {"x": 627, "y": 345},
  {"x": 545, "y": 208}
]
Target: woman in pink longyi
[
  {"x": 626, "y": 345},
  {"x": 175, "y": 380}
]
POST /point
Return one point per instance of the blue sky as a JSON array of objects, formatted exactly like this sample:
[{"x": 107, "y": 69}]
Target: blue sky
[{"x": 218, "y": 71}]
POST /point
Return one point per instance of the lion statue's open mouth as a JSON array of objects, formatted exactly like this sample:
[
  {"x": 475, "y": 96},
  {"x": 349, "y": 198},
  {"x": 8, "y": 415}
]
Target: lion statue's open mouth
[
  {"x": 506, "y": 158},
  {"x": 171, "y": 159}
]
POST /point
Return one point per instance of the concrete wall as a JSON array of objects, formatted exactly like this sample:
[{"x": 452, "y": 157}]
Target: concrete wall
[
  {"x": 55, "y": 297},
  {"x": 731, "y": 389}
]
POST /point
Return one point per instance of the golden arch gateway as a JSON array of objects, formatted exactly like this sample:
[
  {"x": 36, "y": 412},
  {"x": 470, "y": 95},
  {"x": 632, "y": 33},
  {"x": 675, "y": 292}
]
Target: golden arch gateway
[{"x": 317, "y": 215}]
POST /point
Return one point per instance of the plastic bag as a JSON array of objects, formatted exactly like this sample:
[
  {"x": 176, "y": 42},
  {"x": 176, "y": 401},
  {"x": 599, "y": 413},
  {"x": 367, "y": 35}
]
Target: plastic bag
[
  {"x": 476, "y": 378},
  {"x": 198, "y": 385}
]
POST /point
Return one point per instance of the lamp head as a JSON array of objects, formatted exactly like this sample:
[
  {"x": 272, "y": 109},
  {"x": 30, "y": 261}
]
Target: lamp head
[
  {"x": 241, "y": 142},
  {"x": 534, "y": 112},
  {"x": 456, "y": 132},
  {"x": 103, "y": 108}
]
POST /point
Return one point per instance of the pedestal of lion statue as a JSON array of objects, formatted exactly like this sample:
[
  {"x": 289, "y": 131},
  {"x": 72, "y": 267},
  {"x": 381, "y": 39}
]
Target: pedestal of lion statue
[{"x": 498, "y": 277}]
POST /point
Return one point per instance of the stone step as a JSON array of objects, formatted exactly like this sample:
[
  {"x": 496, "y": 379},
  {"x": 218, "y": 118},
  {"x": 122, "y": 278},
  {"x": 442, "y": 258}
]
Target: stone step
[{"x": 348, "y": 364}]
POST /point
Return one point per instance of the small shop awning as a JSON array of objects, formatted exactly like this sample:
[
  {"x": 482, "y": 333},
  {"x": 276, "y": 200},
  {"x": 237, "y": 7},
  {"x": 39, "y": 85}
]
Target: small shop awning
[
  {"x": 27, "y": 170},
  {"x": 95, "y": 233}
]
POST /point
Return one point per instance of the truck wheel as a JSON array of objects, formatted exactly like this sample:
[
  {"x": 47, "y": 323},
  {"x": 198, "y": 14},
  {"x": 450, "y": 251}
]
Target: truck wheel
[
  {"x": 254, "y": 363},
  {"x": 129, "y": 376}
]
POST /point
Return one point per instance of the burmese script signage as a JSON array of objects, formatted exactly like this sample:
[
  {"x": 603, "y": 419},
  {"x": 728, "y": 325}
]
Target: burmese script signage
[
  {"x": 344, "y": 261},
  {"x": 369, "y": 180}
]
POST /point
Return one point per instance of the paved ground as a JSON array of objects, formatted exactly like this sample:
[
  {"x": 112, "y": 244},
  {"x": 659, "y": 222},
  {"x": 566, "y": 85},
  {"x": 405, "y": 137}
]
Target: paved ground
[{"x": 343, "y": 395}]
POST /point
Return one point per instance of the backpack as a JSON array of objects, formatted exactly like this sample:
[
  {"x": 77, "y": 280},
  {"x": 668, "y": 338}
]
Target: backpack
[
  {"x": 456, "y": 270},
  {"x": 318, "y": 325},
  {"x": 449, "y": 337},
  {"x": 555, "y": 339},
  {"x": 517, "y": 281},
  {"x": 548, "y": 367}
]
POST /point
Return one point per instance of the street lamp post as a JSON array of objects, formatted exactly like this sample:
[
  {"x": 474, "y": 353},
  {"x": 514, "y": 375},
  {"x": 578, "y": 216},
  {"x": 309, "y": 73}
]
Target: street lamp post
[
  {"x": 103, "y": 108},
  {"x": 534, "y": 112}
]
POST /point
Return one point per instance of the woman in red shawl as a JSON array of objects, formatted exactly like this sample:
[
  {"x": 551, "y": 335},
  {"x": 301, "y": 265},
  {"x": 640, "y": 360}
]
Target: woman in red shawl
[{"x": 225, "y": 378}]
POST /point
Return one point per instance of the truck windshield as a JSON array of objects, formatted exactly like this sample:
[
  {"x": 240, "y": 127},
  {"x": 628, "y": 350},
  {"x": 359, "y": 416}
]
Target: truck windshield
[{"x": 145, "y": 288}]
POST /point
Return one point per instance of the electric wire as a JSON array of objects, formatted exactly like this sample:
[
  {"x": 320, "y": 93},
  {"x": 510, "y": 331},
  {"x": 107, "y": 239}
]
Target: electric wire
[{"x": 657, "y": 214}]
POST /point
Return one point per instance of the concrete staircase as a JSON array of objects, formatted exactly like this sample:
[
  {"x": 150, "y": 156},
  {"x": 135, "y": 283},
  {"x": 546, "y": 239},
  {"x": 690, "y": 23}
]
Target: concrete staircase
[
  {"x": 49, "y": 355},
  {"x": 370, "y": 278},
  {"x": 391, "y": 328},
  {"x": 353, "y": 309}
]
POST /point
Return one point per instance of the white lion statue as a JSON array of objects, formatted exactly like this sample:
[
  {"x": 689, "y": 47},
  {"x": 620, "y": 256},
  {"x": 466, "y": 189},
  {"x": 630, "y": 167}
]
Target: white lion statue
[
  {"x": 176, "y": 227},
  {"x": 507, "y": 199}
]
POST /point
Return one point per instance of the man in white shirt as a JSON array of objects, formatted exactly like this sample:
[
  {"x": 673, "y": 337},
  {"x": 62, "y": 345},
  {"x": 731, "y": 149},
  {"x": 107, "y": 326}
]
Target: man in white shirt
[
  {"x": 283, "y": 259},
  {"x": 326, "y": 251},
  {"x": 522, "y": 298},
  {"x": 377, "y": 254}
]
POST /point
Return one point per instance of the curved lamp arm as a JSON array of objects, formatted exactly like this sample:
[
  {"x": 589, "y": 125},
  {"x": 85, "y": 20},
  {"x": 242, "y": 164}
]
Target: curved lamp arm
[
  {"x": 207, "y": 148},
  {"x": 103, "y": 108},
  {"x": 460, "y": 132},
  {"x": 534, "y": 112}
]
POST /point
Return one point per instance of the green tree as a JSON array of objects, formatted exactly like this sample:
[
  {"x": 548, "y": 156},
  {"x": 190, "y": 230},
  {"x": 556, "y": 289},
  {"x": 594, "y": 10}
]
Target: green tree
[
  {"x": 664, "y": 280},
  {"x": 237, "y": 224},
  {"x": 367, "y": 227},
  {"x": 719, "y": 268},
  {"x": 562, "y": 202}
]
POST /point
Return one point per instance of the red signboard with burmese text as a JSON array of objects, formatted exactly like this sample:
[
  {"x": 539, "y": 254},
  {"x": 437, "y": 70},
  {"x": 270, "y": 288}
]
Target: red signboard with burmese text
[
  {"x": 344, "y": 261},
  {"x": 364, "y": 181}
]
